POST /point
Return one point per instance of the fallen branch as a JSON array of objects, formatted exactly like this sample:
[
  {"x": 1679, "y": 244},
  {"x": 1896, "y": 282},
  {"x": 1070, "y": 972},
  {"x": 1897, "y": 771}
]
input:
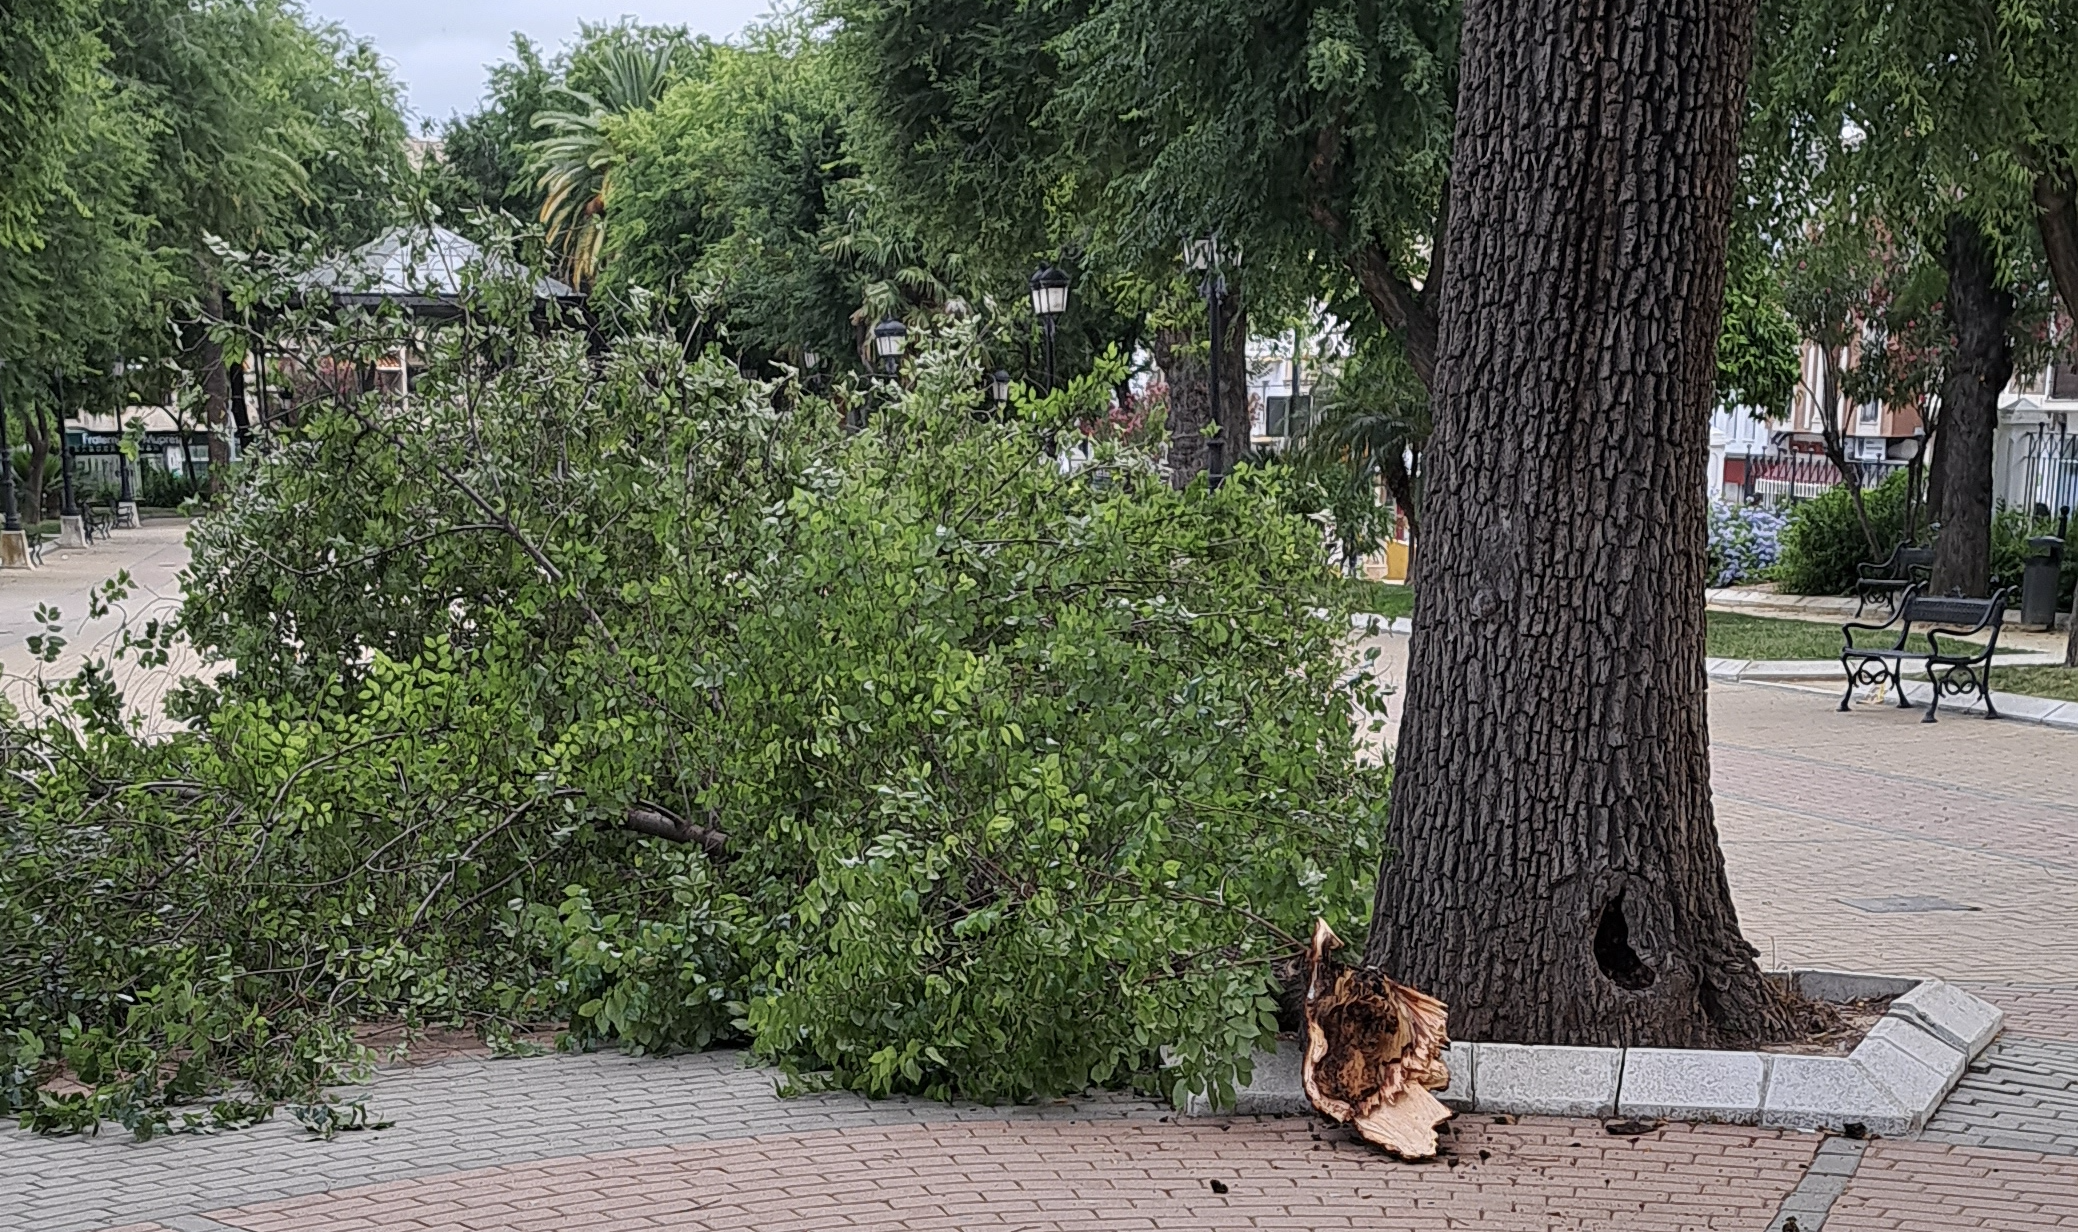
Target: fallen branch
[{"x": 654, "y": 820}]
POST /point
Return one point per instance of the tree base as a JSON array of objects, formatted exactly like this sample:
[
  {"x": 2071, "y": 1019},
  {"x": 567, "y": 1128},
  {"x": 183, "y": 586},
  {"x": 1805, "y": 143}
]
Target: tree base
[{"x": 14, "y": 550}]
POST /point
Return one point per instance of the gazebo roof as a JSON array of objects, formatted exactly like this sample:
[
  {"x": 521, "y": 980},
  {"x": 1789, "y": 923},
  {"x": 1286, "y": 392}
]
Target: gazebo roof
[{"x": 421, "y": 268}]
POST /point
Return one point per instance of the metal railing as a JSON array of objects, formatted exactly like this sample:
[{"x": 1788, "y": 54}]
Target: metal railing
[
  {"x": 1801, "y": 476},
  {"x": 2048, "y": 473}
]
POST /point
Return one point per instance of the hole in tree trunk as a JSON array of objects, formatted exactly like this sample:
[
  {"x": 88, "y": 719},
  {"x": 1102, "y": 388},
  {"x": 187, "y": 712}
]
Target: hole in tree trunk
[{"x": 1613, "y": 952}]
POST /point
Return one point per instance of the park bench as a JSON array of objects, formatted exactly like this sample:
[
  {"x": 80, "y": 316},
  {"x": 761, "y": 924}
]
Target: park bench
[
  {"x": 1952, "y": 666},
  {"x": 1887, "y": 579}
]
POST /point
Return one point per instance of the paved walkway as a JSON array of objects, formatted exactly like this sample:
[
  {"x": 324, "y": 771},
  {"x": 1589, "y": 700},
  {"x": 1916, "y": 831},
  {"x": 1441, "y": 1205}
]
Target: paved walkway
[
  {"x": 153, "y": 555},
  {"x": 1815, "y": 808}
]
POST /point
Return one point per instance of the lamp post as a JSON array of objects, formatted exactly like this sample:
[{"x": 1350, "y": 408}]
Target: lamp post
[
  {"x": 14, "y": 541},
  {"x": 1202, "y": 257},
  {"x": 72, "y": 529},
  {"x": 1049, "y": 301},
  {"x": 126, "y": 500}
]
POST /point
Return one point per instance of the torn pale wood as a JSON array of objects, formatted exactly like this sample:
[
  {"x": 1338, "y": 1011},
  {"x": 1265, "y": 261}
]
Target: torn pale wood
[{"x": 1374, "y": 1051}]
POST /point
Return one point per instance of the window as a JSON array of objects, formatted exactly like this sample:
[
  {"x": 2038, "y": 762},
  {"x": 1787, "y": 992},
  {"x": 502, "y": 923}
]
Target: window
[
  {"x": 1868, "y": 412},
  {"x": 2063, "y": 381},
  {"x": 1281, "y": 419}
]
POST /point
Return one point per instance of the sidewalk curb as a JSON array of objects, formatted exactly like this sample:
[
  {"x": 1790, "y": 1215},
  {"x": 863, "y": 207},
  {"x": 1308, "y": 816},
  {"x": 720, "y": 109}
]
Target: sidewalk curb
[{"x": 1890, "y": 1084}]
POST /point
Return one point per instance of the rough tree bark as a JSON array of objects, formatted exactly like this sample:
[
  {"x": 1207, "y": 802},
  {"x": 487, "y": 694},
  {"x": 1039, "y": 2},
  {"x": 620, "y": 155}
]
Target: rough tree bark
[
  {"x": 1180, "y": 354},
  {"x": 1557, "y": 875},
  {"x": 1979, "y": 314}
]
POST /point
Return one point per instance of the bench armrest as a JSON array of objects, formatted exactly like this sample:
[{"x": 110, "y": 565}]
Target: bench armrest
[
  {"x": 1934, "y": 636},
  {"x": 1847, "y": 631}
]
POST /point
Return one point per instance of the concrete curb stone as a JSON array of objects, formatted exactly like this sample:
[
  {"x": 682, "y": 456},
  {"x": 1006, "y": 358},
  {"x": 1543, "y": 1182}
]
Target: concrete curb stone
[
  {"x": 1683, "y": 1084},
  {"x": 1964, "y": 1022},
  {"x": 1546, "y": 1080}
]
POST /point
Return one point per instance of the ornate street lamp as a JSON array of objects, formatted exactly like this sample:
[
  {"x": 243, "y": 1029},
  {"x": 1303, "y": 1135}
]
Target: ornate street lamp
[
  {"x": 890, "y": 338},
  {"x": 1202, "y": 257},
  {"x": 999, "y": 389},
  {"x": 1049, "y": 301}
]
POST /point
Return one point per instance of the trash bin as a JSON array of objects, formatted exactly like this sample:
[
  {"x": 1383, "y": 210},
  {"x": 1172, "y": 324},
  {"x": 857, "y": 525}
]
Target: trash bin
[{"x": 2045, "y": 564}]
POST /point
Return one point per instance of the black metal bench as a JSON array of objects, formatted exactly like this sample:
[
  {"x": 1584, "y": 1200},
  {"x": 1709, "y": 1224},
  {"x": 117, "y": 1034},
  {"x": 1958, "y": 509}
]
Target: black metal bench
[
  {"x": 1952, "y": 666},
  {"x": 1906, "y": 567}
]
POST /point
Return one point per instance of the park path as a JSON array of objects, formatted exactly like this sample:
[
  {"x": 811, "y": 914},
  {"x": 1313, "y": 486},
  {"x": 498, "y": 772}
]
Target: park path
[
  {"x": 1815, "y": 808},
  {"x": 153, "y": 555}
]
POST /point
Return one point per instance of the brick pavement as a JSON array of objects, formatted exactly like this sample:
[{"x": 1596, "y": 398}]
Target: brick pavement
[
  {"x": 1122, "y": 1175},
  {"x": 1814, "y": 807},
  {"x": 1936, "y": 1187}
]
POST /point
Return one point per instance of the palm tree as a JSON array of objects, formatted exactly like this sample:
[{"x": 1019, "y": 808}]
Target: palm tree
[
  {"x": 576, "y": 160},
  {"x": 1372, "y": 418}
]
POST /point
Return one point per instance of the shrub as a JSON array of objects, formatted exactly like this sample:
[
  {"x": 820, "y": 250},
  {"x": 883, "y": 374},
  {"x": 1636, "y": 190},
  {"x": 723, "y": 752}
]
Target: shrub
[
  {"x": 1744, "y": 542},
  {"x": 164, "y": 489},
  {"x": 1822, "y": 542},
  {"x": 2010, "y": 531},
  {"x": 998, "y": 780}
]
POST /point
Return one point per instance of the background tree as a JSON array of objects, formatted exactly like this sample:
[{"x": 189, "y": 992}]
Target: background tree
[
  {"x": 576, "y": 156},
  {"x": 1557, "y": 876},
  {"x": 738, "y": 200},
  {"x": 1113, "y": 130},
  {"x": 1953, "y": 122},
  {"x": 266, "y": 132}
]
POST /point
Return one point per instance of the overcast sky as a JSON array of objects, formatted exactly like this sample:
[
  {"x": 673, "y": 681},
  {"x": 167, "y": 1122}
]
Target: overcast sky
[{"x": 440, "y": 48}]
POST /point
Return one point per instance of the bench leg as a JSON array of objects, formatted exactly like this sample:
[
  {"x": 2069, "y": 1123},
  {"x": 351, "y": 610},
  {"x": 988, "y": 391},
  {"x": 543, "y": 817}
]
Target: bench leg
[
  {"x": 1984, "y": 690},
  {"x": 1849, "y": 694},
  {"x": 1933, "y": 701},
  {"x": 1897, "y": 681}
]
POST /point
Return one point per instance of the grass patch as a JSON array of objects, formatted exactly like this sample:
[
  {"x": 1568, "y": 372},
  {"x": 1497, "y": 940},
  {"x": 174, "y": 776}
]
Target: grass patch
[
  {"x": 1388, "y": 599},
  {"x": 2060, "y": 683},
  {"x": 1733, "y": 635}
]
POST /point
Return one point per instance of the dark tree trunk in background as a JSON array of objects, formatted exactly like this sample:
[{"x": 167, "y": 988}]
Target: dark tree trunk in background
[
  {"x": 1181, "y": 358},
  {"x": 1181, "y": 355},
  {"x": 41, "y": 441},
  {"x": 206, "y": 362},
  {"x": 1979, "y": 316},
  {"x": 1557, "y": 875},
  {"x": 234, "y": 374},
  {"x": 1234, "y": 417}
]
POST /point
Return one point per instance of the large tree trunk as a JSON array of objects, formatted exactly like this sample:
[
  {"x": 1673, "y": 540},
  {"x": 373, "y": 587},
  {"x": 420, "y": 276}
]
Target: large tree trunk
[
  {"x": 206, "y": 362},
  {"x": 1979, "y": 314},
  {"x": 1180, "y": 354},
  {"x": 1556, "y": 875}
]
